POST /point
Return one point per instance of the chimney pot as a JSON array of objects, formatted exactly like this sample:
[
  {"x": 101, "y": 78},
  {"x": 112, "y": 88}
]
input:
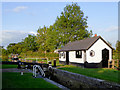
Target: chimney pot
[{"x": 95, "y": 35}]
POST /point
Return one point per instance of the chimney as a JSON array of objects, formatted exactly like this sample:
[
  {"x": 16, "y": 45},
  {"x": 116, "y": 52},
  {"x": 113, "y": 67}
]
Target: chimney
[{"x": 95, "y": 35}]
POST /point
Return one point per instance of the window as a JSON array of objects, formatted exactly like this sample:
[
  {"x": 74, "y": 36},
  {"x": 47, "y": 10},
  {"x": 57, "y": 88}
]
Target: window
[
  {"x": 63, "y": 54},
  {"x": 59, "y": 55},
  {"x": 78, "y": 54},
  {"x": 92, "y": 53}
]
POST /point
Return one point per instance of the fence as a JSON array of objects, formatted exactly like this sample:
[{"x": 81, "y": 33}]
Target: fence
[{"x": 114, "y": 64}]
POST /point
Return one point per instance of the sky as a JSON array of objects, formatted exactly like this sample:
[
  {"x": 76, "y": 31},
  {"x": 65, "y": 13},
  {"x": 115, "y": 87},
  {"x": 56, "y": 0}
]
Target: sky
[{"x": 22, "y": 18}]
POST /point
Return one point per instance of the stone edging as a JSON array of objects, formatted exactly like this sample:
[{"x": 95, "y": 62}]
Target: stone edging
[{"x": 74, "y": 80}]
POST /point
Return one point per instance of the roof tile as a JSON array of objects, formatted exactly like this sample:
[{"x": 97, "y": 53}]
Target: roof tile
[{"x": 80, "y": 44}]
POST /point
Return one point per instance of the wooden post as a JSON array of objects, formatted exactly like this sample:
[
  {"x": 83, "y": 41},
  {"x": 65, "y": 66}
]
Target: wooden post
[
  {"x": 108, "y": 63},
  {"x": 113, "y": 63},
  {"x": 117, "y": 63},
  {"x": 54, "y": 62},
  {"x": 47, "y": 60}
]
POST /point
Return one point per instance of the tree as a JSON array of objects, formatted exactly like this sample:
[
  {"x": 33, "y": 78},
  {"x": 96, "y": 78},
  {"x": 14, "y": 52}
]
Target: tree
[
  {"x": 52, "y": 39},
  {"x": 19, "y": 47},
  {"x": 11, "y": 48},
  {"x": 4, "y": 52},
  {"x": 1, "y": 47},
  {"x": 71, "y": 25},
  {"x": 118, "y": 46},
  {"x": 41, "y": 38},
  {"x": 29, "y": 43}
]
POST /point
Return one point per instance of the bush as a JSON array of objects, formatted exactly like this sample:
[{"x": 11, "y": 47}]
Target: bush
[{"x": 4, "y": 58}]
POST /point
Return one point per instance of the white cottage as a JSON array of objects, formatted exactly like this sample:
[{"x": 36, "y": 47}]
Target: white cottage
[{"x": 90, "y": 52}]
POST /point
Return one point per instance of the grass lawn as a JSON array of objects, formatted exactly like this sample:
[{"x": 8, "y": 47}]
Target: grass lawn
[
  {"x": 15, "y": 80},
  {"x": 9, "y": 66},
  {"x": 101, "y": 73},
  {"x": 0, "y": 58}
]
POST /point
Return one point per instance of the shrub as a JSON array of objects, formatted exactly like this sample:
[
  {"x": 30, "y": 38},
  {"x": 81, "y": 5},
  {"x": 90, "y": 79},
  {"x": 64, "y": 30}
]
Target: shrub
[{"x": 4, "y": 58}]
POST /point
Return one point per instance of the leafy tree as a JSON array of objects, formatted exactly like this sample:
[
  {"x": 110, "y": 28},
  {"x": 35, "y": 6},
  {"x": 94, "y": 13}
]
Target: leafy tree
[
  {"x": 118, "y": 46},
  {"x": 4, "y": 52},
  {"x": 47, "y": 38},
  {"x": 41, "y": 38},
  {"x": 52, "y": 39},
  {"x": 118, "y": 49},
  {"x": 19, "y": 47},
  {"x": 71, "y": 25},
  {"x": 1, "y": 47},
  {"x": 29, "y": 43},
  {"x": 11, "y": 48}
]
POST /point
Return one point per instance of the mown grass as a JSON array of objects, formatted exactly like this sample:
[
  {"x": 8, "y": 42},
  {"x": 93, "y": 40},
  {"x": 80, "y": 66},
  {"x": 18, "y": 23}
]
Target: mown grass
[
  {"x": 4, "y": 66},
  {"x": 0, "y": 58},
  {"x": 15, "y": 80},
  {"x": 101, "y": 73}
]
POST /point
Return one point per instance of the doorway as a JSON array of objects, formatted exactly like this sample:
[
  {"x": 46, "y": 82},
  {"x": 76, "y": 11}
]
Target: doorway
[
  {"x": 105, "y": 57},
  {"x": 67, "y": 57}
]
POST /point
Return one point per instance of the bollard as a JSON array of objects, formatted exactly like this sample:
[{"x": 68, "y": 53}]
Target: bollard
[
  {"x": 19, "y": 64},
  {"x": 21, "y": 73},
  {"x": 54, "y": 63},
  {"x": 50, "y": 64}
]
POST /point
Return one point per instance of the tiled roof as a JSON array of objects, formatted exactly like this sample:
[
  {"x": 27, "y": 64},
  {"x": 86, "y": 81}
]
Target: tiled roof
[{"x": 81, "y": 44}]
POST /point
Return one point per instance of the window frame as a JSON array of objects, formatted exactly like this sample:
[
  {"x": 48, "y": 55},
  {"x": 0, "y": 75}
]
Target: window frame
[
  {"x": 93, "y": 52},
  {"x": 79, "y": 54},
  {"x": 63, "y": 54},
  {"x": 60, "y": 55}
]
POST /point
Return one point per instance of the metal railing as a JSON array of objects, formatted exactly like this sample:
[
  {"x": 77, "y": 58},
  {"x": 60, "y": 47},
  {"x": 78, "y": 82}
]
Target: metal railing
[{"x": 40, "y": 69}]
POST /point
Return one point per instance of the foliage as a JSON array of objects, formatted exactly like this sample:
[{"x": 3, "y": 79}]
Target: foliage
[
  {"x": 5, "y": 58},
  {"x": 41, "y": 38},
  {"x": 118, "y": 49},
  {"x": 11, "y": 48},
  {"x": 38, "y": 54},
  {"x": 71, "y": 25},
  {"x": 100, "y": 73},
  {"x": 1, "y": 47},
  {"x": 29, "y": 43},
  {"x": 15, "y": 80},
  {"x": 4, "y": 52}
]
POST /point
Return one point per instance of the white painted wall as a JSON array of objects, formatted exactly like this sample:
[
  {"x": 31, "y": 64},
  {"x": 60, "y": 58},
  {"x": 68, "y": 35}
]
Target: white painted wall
[
  {"x": 72, "y": 57},
  {"x": 97, "y": 48},
  {"x": 62, "y": 59},
  {"x": 97, "y": 58}
]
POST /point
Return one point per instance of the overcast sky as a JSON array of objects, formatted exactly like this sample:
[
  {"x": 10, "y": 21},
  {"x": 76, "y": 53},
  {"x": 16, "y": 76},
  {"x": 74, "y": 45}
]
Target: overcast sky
[{"x": 22, "y": 18}]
